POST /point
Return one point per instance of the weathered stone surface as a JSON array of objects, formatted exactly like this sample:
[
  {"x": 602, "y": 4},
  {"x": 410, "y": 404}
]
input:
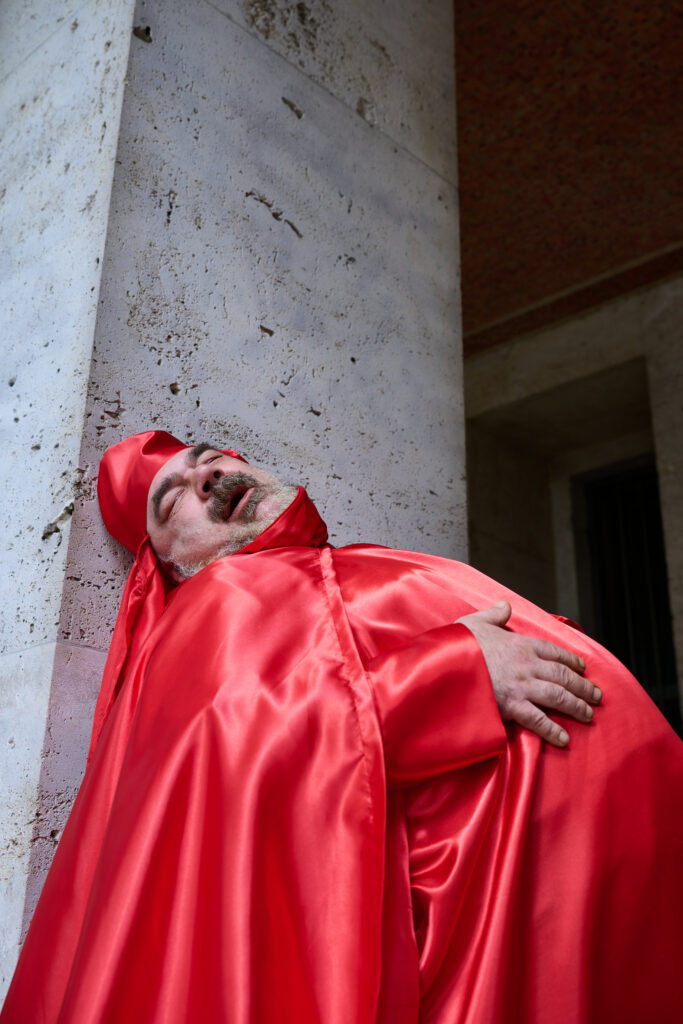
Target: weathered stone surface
[
  {"x": 280, "y": 273},
  {"x": 23, "y": 710},
  {"x": 63, "y": 68},
  {"x": 391, "y": 63},
  {"x": 44, "y": 731},
  {"x": 59, "y": 110},
  {"x": 285, "y": 284},
  {"x": 26, "y": 26}
]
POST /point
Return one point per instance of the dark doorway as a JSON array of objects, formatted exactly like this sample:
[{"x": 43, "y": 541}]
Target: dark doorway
[{"x": 621, "y": 568}]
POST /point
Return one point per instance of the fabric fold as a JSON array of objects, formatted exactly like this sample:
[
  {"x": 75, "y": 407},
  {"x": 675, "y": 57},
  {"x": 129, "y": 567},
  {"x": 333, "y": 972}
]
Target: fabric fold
[{"x": 436, "y": 705}]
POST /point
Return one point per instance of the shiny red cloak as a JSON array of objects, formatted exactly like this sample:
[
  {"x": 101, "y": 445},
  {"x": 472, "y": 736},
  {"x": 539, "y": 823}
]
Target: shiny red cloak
[{"x": 302, "y": 806}]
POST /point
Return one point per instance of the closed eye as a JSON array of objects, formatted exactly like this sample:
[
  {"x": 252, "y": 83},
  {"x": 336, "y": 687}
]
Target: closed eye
[{"x": 171, "y": 501}]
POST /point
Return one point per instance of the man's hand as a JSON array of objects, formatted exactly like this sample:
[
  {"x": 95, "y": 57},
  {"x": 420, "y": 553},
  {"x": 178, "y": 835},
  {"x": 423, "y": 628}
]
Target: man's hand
[{"x": 529, "y": 675}]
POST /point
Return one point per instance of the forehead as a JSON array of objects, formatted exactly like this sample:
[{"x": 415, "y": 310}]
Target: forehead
[{"x": 175, "y": 464}]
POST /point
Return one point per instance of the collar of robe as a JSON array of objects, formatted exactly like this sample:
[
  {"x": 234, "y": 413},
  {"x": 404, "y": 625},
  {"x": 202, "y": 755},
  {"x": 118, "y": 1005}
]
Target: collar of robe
[{"x": 147, "y": 589}]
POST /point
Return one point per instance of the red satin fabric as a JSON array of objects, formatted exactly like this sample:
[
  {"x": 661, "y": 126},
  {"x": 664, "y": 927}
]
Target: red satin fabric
[
  {"x": 303, "y": 807},
  {"x": 546, "y": 885}
]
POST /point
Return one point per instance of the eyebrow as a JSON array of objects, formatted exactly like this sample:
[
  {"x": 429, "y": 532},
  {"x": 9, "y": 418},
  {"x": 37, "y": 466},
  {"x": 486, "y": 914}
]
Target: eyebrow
[
  {"x": 199, "y": 449},
  {"x": 174, "y": 478}
]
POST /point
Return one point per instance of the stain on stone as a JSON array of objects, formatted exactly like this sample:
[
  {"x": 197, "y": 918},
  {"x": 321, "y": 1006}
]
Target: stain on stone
[
  {"x": 316, "y": 412},
  {"x": 118, "y": 408},
  {"x": 363, "y": 107},
  {"x": 88, "y": 203},
  {"x": 63, "y": 517},
  {"x": 74, "y": 24},
  {"x": 295, "y": 24},
  {"x": 12, "y": 381},
  {"x": 275, "y": 213},
  {"x": 294, "y": 228},
  {"x": 381, "y": 49},
  {"x": 309, "y": 25},
  {"x": 293, "y": 107},
  {"x": 174, "y": 387},
  {"x": 260, "y": 15},
  {"x": 266, "y": 330},
  {"x": 143, "y": 33},
  {"x": 171, "y": 196}
]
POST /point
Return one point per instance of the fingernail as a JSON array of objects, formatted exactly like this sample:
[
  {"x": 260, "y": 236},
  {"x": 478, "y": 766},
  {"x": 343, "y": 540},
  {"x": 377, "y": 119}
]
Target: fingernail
[
  {"x": 582, "y": 663},
  {"x": 589, "y": 712},
  {"x": 564, "y": 737},
  {"x": 597, "y": 693},
  {"x": 500, "y": 604}
]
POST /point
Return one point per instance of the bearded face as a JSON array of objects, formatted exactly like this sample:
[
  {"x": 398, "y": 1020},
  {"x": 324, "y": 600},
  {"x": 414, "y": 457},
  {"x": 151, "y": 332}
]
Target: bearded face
[{"x": 204, "y": 505}]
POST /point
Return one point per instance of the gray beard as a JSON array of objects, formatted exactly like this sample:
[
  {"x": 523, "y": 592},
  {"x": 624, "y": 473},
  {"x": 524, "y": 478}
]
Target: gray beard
[{"x": 248, "y": 529}]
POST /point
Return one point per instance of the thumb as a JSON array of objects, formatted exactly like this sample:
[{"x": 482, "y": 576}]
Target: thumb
[{"x": 498, "y": 614}]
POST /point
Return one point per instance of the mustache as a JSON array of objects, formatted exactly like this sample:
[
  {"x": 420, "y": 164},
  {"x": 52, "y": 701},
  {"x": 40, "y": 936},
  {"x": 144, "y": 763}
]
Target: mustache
[{"x": 233, "y": 486}]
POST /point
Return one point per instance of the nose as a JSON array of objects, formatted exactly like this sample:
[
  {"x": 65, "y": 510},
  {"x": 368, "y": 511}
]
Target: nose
[{"x": 204, "y": 477}]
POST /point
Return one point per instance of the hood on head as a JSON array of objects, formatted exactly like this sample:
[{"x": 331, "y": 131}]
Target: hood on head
[{"x": 126, "y": 473}]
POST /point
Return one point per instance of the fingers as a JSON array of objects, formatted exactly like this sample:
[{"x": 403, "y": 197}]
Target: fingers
[
  {"x": 558, "y": 698},
  {"x": 552, "y": 652},
  {"x": 497, "y": 615},
  {"x": 532, "y": 718},
  {"x": 562, "y": 675}
]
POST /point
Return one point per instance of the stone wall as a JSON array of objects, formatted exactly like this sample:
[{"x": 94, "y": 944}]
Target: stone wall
[
  {"x": 62, "y": 67},
  {"x": 281, "y": 275}
]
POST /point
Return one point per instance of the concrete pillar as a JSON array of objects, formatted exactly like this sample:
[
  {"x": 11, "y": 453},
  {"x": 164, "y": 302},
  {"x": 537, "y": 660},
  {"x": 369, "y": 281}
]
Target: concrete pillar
[
  {"x": 280, "y": 274},
  {"x": 62, "y": 68}
]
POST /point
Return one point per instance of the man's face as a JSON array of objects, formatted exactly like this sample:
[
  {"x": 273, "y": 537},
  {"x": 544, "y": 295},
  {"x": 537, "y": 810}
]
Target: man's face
[{"x": 203, "y": 505}]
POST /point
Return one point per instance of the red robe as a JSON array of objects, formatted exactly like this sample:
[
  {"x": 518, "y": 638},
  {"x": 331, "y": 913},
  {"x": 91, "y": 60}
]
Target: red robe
[{"x": 302, "y": 806}]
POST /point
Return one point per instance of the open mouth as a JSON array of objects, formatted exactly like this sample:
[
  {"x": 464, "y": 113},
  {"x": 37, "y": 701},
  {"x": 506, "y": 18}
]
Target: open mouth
[{"x": 238, "y": 499}]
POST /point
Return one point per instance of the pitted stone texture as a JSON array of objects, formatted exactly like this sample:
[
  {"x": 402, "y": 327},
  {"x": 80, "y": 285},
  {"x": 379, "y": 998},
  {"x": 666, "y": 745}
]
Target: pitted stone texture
[
  {"x": 25, "y": 26},
  {"x": 52, "y": 722},
  {"x": 59, "y": 110},
  {"x": 285, "y": 285},
  {"x": 391, "y": 63},
  {"x": 23, "y": 710}
]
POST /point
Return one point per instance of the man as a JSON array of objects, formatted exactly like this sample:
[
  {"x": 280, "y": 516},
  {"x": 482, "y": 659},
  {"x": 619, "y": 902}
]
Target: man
[{"x": 301, "y": 802}]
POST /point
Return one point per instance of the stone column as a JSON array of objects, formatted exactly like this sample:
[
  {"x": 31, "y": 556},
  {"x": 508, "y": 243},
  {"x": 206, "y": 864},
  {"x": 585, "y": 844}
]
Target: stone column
[
  {"x": 280, "y": 275},
  {"x": 62, "y": 68}
]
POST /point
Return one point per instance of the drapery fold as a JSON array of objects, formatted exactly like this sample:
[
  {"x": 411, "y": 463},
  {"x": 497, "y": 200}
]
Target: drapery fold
[{"x": 302, "y": 806}]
